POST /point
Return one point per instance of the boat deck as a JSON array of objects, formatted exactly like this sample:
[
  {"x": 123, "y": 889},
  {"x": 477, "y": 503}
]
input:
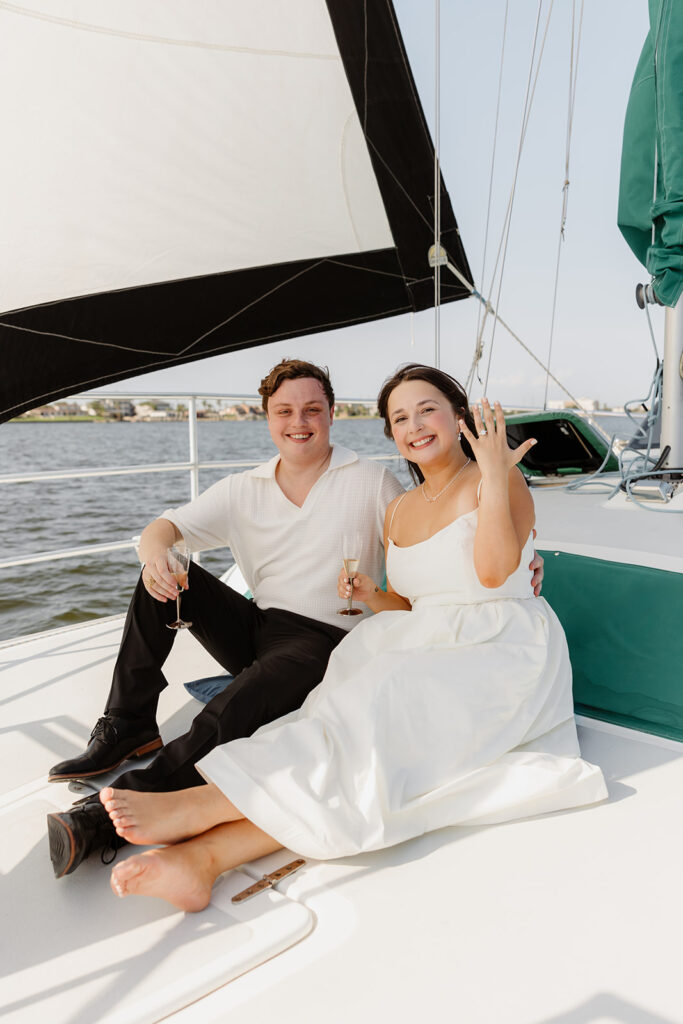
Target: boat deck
[
  {"x": 569, "y": 918},
  {"x": 586, "y": 522}
]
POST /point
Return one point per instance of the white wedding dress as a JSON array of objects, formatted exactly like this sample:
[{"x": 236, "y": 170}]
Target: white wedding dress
[{"x": 456, "y": 712}]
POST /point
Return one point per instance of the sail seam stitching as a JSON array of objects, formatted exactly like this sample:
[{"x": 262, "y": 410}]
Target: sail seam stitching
[
  {"x": 365, "y": 69},
  {"x": 156, "y": 364},
  {"x": 84, "y": 26},
  {"x": 410, "y": 199},
  {"x": 255, "y": 302},
  {"x": 347, "y": 199},
  {"x": 372, "y": 270}
]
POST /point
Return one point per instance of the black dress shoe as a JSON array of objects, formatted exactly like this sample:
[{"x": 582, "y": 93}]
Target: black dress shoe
[
  {"x": 75, "y": 833},
  {"x": 112, "y": 741}
]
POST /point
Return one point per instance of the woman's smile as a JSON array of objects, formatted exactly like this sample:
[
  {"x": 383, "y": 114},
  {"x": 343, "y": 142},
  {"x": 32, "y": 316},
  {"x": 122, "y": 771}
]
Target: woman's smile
[{"x": 422, "y": 442}]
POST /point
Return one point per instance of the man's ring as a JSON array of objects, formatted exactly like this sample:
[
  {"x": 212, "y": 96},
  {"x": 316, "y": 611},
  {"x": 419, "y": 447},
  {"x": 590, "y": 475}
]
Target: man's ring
[{"x": 150, "y": 581}]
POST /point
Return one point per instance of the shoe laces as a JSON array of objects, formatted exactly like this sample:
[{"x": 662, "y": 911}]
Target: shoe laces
[
  {"x": 107, "y": 849},
  {"x": 112, "y": 842},
  {"x": 105, "y": 834},
  {"x": 105, "y": 728}
]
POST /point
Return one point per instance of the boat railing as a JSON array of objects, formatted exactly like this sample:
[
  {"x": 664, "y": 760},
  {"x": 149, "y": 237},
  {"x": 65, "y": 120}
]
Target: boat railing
[{"x": 192, "y": 466}]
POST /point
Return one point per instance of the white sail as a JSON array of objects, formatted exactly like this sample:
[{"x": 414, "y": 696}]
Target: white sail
[
  {"x": 184, "y": 179},
  {"x": 154, "y": 141}
]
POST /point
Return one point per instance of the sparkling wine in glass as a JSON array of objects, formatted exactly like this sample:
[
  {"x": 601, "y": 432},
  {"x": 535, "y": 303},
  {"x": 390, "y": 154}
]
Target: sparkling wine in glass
[
  {"x": 352, "y": 547},
  {"x": 178, "y": 561}
]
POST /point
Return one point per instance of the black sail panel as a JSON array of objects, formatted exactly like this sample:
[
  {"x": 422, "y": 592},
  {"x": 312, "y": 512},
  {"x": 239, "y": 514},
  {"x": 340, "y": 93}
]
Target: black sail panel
[
  {"x": 64, "y": 340},
  {"x": 399, "y": 143}
]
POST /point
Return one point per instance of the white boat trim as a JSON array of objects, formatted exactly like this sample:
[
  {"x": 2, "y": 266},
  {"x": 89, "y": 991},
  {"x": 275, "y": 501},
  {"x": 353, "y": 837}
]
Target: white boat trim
[
  {"x": 627, "y": 556},
  {"x": 622, "y": 731}
]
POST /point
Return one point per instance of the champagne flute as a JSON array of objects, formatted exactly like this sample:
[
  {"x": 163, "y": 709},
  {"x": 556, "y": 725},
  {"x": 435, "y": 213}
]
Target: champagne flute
[
  {"x": 352, "y": 547},
  {"x": 178, "y": 561}
]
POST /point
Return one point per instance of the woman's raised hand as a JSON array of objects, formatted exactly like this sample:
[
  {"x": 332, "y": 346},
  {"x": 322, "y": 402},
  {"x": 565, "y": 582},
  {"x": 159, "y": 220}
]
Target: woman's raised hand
[
  {"x": 363, "y": 586},
  {"x": 491, "y": 449}
]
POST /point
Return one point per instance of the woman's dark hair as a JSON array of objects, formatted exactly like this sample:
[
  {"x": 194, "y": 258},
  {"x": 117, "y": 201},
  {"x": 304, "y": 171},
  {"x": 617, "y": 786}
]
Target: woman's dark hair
[{"x": 444, "y": 383}]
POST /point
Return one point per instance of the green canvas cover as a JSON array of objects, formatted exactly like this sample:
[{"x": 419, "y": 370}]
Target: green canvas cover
[
  {"x": 654, "y": 129},
  {"x": 626, "y": 656}
]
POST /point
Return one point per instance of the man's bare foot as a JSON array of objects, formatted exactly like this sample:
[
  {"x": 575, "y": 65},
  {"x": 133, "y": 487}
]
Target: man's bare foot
[
  {"x": 149, "y": 818},
  {"x": 180, "y": 874}
]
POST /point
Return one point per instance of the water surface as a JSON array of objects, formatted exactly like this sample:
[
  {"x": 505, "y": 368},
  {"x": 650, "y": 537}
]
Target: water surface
[
  {"x": 37, "y": 517},
  {"x": 58, "y": 514}
]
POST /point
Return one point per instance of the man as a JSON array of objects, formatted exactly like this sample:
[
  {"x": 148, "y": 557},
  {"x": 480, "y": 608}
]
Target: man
[{"x": 283, "y": 521}]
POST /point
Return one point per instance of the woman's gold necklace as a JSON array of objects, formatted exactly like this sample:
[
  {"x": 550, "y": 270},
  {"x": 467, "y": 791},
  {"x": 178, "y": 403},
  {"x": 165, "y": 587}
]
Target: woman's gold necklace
[{"x": 444, "y": 489}]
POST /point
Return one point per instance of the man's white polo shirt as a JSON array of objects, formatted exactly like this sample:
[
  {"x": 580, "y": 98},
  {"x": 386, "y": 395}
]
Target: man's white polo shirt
[{"x": 291, "y": 556}]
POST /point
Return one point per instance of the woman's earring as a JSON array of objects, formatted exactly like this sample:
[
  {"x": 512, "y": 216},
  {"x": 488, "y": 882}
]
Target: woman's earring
[{"x": 460, "y": 435}]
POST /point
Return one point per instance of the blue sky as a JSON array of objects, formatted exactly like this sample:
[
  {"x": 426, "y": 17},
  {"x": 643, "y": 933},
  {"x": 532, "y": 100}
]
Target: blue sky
[{"x": 601, "y": 346}]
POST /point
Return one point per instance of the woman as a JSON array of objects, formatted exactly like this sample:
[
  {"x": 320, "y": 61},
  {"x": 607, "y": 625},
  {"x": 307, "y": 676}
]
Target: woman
[{"x": 453, "y": 707}]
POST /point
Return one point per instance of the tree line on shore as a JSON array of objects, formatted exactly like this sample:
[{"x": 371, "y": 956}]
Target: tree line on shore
[{"x": 157, "y": 410}]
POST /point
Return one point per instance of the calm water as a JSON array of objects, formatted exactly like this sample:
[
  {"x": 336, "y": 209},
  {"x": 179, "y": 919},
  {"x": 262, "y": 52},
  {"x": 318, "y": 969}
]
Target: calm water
[
  {"x": 65, "y": 514},
  {"x": 36, "y": 517}
]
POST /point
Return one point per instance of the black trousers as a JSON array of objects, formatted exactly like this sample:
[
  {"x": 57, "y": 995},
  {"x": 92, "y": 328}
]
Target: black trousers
[{"x": 276, "y": 657}]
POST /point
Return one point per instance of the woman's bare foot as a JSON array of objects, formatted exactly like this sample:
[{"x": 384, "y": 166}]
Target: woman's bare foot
[
  {"x": 149, "y": 818},
  {"x": 182, "y": 874}
]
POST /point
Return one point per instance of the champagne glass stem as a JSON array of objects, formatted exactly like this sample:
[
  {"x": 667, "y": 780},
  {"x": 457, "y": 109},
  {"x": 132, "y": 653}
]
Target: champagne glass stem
[
  {"x": 177, "y": 604},
  {"x": 349, "y": 606}
]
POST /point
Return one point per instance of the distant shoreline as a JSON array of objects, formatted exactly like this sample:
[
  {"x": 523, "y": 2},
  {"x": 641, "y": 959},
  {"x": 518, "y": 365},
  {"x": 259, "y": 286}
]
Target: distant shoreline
[{"x": 128, "y": 419}]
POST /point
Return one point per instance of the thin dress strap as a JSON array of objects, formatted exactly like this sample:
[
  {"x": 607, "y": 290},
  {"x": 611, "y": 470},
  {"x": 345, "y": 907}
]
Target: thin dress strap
[
  {"x": 391, "y": 521},
  {"x": 479, "y": 492}
]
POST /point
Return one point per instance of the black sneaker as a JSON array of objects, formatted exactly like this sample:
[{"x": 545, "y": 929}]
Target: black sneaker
[
  {"x": 75, "y": 833},
  {"x": 112, "y": 741}
]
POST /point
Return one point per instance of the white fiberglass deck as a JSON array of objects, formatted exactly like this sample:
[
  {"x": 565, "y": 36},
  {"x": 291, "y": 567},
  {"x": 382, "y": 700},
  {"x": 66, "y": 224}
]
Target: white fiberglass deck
[
  {"x": 586, "y": 522},
  {"x": 565, "y": 919}
]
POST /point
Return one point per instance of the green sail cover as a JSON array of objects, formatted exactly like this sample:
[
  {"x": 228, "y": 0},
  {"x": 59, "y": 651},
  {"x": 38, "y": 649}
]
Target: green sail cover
[{"x": 654, "y": 125}]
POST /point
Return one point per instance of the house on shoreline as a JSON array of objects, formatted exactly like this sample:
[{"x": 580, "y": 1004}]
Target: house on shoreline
[{"x": 161, "y": 411}]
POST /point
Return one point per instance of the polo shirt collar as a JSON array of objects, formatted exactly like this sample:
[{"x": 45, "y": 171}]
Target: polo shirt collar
[{"x": 340, "y": 457}]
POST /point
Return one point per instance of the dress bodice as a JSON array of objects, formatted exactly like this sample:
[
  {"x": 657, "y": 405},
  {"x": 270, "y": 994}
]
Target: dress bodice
[{"x": 440, "y": 570}]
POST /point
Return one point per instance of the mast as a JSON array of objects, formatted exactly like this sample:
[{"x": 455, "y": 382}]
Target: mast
[
  {"x": 671, "y": 436},
  {"x": 672, "y": 390}
]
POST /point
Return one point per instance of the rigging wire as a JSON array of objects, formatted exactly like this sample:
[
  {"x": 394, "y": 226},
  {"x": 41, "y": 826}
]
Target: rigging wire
[
  {"x": 528, "y": 103},
  {"x": 573, "y": 76},
  {"x": 478, "y": 348},
  {"x": 489, "y": 308},
  {"x": 643, "y": 431},
  {"x": 652, "y": 333},
  {"x": 643, "y": 465},
  {"x": 437, "y": 181}
]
